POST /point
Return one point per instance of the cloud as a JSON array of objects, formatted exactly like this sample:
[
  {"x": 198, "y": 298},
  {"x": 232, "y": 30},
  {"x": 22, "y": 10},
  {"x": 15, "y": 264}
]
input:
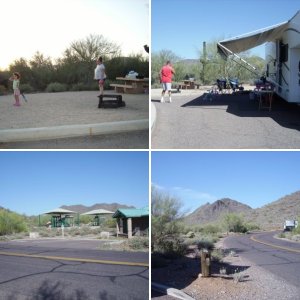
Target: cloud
[{"x": 190, "y": 198}]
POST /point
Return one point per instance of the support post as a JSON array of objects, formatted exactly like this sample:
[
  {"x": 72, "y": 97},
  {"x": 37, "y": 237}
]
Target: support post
[{"x": 129, "y": 227}]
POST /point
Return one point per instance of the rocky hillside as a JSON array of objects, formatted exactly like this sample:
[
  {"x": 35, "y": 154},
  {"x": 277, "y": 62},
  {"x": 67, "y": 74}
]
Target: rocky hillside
[
  {"x": 274, "y": 214},
  {"x": 270, "y": 216},
  {"x": 108, "y": 206},
  {"x": 210, "y": 213}
]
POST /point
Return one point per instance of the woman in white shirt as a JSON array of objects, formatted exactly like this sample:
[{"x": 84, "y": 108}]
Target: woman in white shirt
[{"x": 100, "y": 74}]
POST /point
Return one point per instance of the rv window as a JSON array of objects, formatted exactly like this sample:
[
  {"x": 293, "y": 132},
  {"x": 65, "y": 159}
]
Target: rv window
[{"x": 284, "y": 52}]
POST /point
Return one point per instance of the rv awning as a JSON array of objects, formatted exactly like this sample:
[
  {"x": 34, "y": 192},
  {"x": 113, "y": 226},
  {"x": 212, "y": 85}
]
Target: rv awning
[{"x": 250, "y": 40}]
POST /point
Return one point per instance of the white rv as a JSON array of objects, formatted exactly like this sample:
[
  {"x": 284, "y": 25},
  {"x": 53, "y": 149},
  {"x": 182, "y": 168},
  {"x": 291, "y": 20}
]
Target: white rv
[
  {"x": 282, "y": 55},
  {"x": 290, "y": 225}
]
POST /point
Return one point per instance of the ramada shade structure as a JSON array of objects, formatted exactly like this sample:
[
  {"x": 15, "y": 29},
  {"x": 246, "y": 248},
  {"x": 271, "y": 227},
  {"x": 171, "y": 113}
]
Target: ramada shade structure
[
  {"x": 60, "y": 211},
  {"x": 98, "y": 212},
  {"x": 61, "y": 216},
  {"x": 132, "y": 221}
]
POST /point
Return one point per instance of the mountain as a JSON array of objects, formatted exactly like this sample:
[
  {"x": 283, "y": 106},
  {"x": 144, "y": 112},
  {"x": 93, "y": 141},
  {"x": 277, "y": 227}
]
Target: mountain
[
  {"x": 209, "y": 213},
  {"x": 270, "y": 216},
  {"x": 275, "y": 213},
  {"x": 190, "y": 61},
  {"x": 108, "y": 206}
]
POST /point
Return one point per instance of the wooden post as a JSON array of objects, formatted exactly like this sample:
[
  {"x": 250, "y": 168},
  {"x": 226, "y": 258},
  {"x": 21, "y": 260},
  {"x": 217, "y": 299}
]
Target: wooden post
[
  {"x": 205, "y": 263},
  {"x": 117, "y": 224}
]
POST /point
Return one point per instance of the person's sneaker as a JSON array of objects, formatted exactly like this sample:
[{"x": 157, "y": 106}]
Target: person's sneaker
[
  {"x": 170, "y": 100},
  {"x": 162, "y": 100}
]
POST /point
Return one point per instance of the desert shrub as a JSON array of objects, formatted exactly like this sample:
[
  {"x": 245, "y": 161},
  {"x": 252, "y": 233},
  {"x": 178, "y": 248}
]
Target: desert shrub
[
  {"x": 26, "y": 88},
  {"x": 138, "y": 243},
  {"x": 251, "y": 226},
  {"x": 74, "y": 231},
  {"x": 166, "y": 226},
  {"x": 205, "y": 244},
  {"x": 217, "y": 254},
  {"x": 3, "y": 90},
  {"x": 84, "y": 87},
  {"x": 11, "y": 223},
  {"x": 110, "y": 223},
  {"x": 234, "y": 223},
  {"x": 282, "y": 235},
  {"x": 86, "y": 230},
  {"x": 190, "y": 235},
  {"x": 172, "y": 248},
  {"x": 297, "y": 229},
  {"x": 56, "y": 87},
  {"x": 211, "y": 229}
]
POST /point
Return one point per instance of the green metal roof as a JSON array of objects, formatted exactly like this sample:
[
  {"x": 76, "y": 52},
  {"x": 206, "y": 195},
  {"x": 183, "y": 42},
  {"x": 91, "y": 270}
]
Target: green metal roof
[{"x": 131, "y": 212}]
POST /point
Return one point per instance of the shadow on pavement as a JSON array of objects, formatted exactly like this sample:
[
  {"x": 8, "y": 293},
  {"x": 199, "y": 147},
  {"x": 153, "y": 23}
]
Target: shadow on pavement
[{"x": 284, "y": 113}]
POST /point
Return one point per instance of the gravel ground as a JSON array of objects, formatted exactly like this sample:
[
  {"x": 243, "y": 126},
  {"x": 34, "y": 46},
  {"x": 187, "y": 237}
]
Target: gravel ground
[
  {"x": 254, "y": 283},
  {"x": 68, "y": 108}
]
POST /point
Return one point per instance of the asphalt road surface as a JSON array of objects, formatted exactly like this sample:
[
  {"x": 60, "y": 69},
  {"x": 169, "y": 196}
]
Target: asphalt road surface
[
  {"x": 281, "y": 257},
  {"x": 65, "y": 270},
  {"x": 126, "y": 140},
  {"x": 227, "y": 122}
]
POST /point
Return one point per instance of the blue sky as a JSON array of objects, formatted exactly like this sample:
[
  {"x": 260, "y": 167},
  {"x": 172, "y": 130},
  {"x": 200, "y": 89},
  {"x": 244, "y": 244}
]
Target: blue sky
[
  {"x": 251, "y": 177},
  {"x": 33, "y": 182},
  {"x": 183, "y": 25},
  {"x": 51, "y": 26}
]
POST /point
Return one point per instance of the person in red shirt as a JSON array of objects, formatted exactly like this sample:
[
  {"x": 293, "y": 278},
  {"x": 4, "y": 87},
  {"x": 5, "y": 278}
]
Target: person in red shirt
[{"x": 166, "y": 74}]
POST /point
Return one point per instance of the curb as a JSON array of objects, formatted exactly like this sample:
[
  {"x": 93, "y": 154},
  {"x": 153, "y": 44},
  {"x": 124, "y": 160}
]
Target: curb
[
  {"x": 153, "y": 116},
  {"x": 170, "y": 291},
  {"x": 66, "y": 131}
]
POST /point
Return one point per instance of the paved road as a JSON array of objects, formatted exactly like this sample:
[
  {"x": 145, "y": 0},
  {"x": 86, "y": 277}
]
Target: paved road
[
  {"x": 280, "y": 257},
  {"x": 227, "y": 122},
  {"x": 80, "y": 277},
  {"x": 127, "y": 140}
]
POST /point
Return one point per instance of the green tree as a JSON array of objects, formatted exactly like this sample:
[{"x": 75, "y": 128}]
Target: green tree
[
  {"x": 11, "y": 222},
  {"x": 42, "y": 71},
  {"x": 165, "y": 222},
  {"x": 234, "y": 223},
  {"x": 84, "y": 53},
  {"x": 21, "y": 65},
  {"x": 158, "y": 59}
]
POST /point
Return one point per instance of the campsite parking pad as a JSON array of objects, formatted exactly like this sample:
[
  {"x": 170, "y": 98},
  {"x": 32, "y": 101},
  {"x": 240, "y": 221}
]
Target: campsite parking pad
[
  {"x": 229, "y": 121},
  {"x": 49, "y": 110}
]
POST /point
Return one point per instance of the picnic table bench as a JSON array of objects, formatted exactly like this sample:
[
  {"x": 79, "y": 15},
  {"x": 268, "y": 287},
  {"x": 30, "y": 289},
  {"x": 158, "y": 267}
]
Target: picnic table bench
[{"x": 131, "y": 85}]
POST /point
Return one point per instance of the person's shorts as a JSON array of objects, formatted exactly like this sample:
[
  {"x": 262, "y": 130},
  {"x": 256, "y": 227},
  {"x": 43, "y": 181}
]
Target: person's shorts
[
  {"x": 166, "y": 86},
  {"x": 101, "y": 82},
  {"x": 17, "y": 92}
]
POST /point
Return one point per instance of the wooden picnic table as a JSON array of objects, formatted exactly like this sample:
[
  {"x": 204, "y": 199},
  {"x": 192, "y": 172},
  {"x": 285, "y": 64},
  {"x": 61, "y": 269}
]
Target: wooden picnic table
[
  {"x": 131, "y": 85},
  {"x": 188, "y": 84}
]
